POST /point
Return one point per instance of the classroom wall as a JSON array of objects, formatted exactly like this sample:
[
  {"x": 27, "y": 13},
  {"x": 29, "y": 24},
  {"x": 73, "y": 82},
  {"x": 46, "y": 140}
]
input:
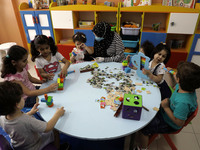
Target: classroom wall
[{"x": 9, "y": 28}]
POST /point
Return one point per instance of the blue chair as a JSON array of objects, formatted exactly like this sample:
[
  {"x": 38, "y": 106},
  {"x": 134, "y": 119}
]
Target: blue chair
[{"x": 4, "y": 144}]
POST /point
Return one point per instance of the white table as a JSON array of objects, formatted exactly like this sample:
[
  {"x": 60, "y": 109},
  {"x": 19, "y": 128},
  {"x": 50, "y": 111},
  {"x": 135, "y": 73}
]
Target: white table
[{"x": 84, "y": 118}]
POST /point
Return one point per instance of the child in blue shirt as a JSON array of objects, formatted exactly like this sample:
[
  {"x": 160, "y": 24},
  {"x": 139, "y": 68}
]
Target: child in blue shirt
[{"x": 175, "y": 110}]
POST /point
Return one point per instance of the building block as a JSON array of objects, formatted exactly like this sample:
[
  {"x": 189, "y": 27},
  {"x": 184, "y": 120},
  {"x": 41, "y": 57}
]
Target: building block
[
  {"x": 124, "y": 64},
  {"x": 60, "y": 82},
  {"x": 132, "y": 106},
  {"x": 48, "y": 101},
  {"x": 127, "y": 70}
]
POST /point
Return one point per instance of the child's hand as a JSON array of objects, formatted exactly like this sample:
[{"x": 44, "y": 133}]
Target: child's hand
[
  {"x": 128, "y": 58},
  {"x": 63, "y": 73},
  {"x": 82, "y": 46},
  {"x": 165, "y": 103},
  {"x": 72, "y": 59},
  {"x": 146, "y": 72},
  {"x": 50, "y": 76},
  {"x": 53, "y": 87},
  {"x": 34, "y": 109},
  {"x": 44, "y": 80},
  {"x": 99, "y": 59},
  {"x": 60, "y": 111}
]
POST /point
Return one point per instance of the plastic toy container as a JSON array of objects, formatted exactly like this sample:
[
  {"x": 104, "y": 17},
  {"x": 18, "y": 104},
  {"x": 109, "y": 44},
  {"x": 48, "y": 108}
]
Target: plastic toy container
[
  {"x": 130, "y": 31},
  {"x": 129, "y": 37},
  {"x": 128, "y": 43}
]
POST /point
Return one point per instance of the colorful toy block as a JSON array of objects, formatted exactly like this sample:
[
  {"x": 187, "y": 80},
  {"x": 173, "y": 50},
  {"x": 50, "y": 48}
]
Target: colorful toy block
[
  {"x": 48, "y": 100},
  {"x": 132, "y": 106},
  {"x": 127, "y": 70},
  {"x": 124, "y": 64},
  {"x": 60, "y": 82}
]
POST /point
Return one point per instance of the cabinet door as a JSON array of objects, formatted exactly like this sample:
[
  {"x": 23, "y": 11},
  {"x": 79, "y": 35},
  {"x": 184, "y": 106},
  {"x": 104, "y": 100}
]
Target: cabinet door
[
  {"x": 175, "y": 58},
  {"x": 182, "y": 23},
  {"x": 155, "y": 38},
  {"x": 194, "y": 55},
  {"x": 43, "y": 21},
  {"x": 30, "y": 28},
  {"x": 62, "y": 19}
]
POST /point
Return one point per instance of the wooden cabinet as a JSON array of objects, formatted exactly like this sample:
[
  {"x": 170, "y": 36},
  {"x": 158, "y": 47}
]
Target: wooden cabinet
[
  {"x": 182, "y": 23},
  {"x": 62, "y": 19},
  {"x": 66, "y": 19},
  {"x": 36, "y": 22},
  {"x": 177, "y": 25}
]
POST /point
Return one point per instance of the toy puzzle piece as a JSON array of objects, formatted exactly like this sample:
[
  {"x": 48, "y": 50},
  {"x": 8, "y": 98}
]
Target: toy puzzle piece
[{"x": 140, "y": 61}]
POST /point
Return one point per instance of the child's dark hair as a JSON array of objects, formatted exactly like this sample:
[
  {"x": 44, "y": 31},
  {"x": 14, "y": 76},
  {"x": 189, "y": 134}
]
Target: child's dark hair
[
  {"x": 10, "y": 94},
  {"x": 189, "y": 76},
  {"x": 79, "y": 36},
  {"x": 40, "y": 40},
  {"x": 15, "y": 53},
  {"x": 148, "y": 48},
  {"x": 160, "y": 47}
]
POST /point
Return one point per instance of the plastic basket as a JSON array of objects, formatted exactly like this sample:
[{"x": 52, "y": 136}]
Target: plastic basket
[
  {"x": 131, "y": 44},
  {"x": 130, "y": 31}
]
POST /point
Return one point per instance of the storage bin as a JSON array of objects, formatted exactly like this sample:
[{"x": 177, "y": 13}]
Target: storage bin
[
  {"x": 128, "y": 43},
  {"x": 129, "y": 37},
  {"x": 130, "y": 31}
]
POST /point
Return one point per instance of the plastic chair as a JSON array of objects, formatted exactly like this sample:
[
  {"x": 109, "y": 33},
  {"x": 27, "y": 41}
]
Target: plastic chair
[
  {"x": 38, "y": 74},
  {"x": 167, "y": 137},
  {"x": 4, "y": 144}
]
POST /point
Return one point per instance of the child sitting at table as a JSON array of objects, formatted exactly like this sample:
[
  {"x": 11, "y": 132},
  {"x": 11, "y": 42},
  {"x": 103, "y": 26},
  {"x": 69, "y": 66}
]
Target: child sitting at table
[
  {"x": 160, "y": 57},
  {"x": 25, "y": 131},
  {"x": 15, "y": 68},
  {"x": 174, "y": 111},
  {"x": 146, "y": 48},
  {"x": 77, "y": 54},
  {"x": 44, "y": 53}
]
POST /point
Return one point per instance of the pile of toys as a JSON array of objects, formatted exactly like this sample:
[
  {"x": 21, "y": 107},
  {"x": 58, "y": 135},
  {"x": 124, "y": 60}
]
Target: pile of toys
[{"x": 48, "y": 100}]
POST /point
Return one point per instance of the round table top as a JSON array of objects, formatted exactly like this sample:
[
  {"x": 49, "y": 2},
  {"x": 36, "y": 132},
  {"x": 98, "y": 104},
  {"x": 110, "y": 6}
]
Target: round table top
[{"x": 84, "y": 118}]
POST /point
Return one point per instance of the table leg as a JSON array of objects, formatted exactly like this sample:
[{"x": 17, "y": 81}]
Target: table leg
[{"x": 131, "y": 141}]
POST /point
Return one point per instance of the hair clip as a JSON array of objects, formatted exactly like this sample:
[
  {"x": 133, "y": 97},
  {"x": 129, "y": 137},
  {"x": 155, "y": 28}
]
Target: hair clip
[
  {"x": 7, "y": 56},
  {"x": 83, "y": 36},
  {"x": 164, "y": 43}
]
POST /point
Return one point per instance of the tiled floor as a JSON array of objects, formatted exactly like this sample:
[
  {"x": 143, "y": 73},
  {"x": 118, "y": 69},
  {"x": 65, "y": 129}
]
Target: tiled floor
[{"x": 187, "y": 139}]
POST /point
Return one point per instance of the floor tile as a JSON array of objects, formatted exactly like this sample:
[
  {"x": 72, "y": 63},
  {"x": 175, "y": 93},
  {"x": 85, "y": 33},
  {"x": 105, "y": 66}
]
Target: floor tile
[
  {"x": 183, "y": 141},
  {"x": 198, "y": 138}
]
